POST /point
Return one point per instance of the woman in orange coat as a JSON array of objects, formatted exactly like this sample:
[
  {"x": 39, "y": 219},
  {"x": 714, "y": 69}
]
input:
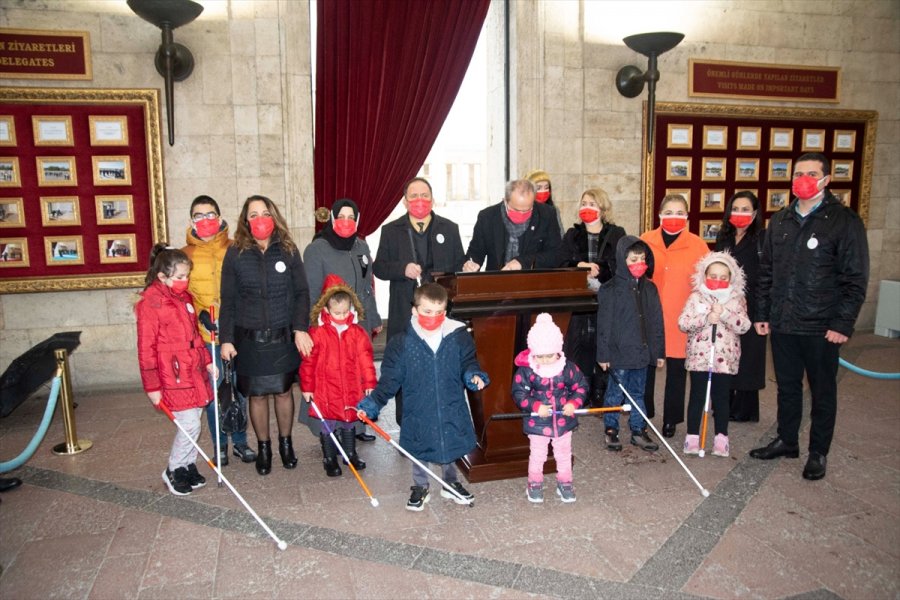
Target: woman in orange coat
[{"x": 675, "y": 252}]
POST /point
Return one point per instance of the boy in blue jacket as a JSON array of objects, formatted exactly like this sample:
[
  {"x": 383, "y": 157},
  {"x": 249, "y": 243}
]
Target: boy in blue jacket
[{"x": 433, "y": 361}]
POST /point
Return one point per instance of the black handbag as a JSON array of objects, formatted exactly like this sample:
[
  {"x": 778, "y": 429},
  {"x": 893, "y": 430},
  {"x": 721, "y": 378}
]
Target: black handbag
[{"x": 232, "y": 405}]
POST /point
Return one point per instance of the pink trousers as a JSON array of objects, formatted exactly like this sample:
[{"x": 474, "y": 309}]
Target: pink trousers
[{"x": 562, "y": 451}]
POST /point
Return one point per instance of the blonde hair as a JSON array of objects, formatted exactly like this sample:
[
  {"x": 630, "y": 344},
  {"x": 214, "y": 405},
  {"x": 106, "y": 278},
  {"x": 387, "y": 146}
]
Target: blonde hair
[
  {"x": 603, "y": 201},
  {"x": 675, "y": 198}
]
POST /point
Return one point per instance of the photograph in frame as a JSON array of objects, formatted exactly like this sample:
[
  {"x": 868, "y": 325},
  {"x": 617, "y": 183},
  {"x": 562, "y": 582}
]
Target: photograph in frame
[
  {"x": 7, "y": 130},
  {"x": 746, "y": 169},
  {"x": 683, "y": 192},
  {"x": 844, "y": 141},
  {"x": 12, "y": 212},
  {"x": 60, "y": 211},
  {"x": 52, "y": 130},
  {"x": 782, "y": 139},
  {"x": 678, "y": 167},
  {"x": 680, "y": 136},
  {"x": 749, "y": 138},
  {"x": 709, "y": 230},
  {"x": 9, "y": 172},
  {"x": 117, "y": 248},
  {"x": 844, "y": 195},
  {"x": 713, "y": 169},
  {"x": 56, "y": 171},
  {"x": 111, "y": 170},
  {"x": 780, "y": 169},
  {"x": 777, "y": 199},
  {"x": 14, "y": 252},
  {"x": 115, "y": 210},
  {"x": 712, "y": 200},
  {"x": 841, "y": 170},
  {"x": 108, "y": 130},
  {"x": 64, "y": 250},
  {"x": 813, "y": 140},
  {"x": 715, "y": 137}
]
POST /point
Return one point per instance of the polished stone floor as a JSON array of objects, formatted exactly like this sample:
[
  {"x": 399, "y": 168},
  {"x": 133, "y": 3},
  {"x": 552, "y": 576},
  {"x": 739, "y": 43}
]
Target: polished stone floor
[{"x": 102, "y": 524}]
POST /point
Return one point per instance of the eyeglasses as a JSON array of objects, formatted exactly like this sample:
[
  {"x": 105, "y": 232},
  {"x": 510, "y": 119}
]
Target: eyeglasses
[{"x": 201, "y": 216}]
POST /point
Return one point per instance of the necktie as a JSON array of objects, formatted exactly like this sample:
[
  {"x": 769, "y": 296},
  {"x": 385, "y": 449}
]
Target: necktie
[{"x": 421, "y": 227}]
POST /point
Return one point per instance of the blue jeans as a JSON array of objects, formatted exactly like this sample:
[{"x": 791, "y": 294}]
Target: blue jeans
[
  {"x": 633, "y": 380},
  {"x": 237, "y": 437}
]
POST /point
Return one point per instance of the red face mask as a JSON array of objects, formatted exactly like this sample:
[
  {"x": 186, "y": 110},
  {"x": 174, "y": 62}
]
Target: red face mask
[
  {"x": 207, "y": 227},
  {"x": 344, "y": 227},
  {"x": 420, "y": 208},
  {"x": 179, "y": 286},
  {"x": 716, "y": 284},
  {"x": 588, "y": 214},
  {"x": 637, "y": 270},
  {"x": 430, "y": 323},
  {"x": 518, "y": 217},
  {"x": 262, "y": 227},
  {"x": 740, "y": 220},
  {"x": 542, "y": 197},
  {"x": 673, "y": 224},
  {"x": 805, "y": 187}
]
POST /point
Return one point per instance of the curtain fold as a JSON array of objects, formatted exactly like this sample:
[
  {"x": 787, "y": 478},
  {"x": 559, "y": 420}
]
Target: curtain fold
[{"x": 387, "y": 73}]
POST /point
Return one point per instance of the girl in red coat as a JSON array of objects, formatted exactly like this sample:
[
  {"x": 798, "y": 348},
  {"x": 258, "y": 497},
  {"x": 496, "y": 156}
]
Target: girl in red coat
[
  {"x": 175, "y": 364},
  {"x": 340, "y": 369}
]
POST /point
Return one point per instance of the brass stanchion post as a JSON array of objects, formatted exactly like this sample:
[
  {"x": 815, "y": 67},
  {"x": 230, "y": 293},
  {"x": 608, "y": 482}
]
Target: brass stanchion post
[{"x": 72, "y": 445}]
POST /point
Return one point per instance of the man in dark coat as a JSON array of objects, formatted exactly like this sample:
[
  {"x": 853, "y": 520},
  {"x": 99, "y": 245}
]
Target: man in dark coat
[
  {"x": 812, "y": 283},
  {"x": 515, "y": 234}
]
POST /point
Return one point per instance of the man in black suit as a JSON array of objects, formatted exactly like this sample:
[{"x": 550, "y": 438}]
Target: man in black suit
[{"x": 516, "y": 233}]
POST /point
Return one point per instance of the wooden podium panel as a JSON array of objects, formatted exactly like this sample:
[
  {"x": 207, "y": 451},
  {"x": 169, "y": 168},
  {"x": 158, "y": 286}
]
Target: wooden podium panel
[{"x": 501, "y": 306}]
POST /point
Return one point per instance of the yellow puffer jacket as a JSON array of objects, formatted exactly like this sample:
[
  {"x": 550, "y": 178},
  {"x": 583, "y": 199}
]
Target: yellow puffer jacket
[{"x": 206, "y": 276}]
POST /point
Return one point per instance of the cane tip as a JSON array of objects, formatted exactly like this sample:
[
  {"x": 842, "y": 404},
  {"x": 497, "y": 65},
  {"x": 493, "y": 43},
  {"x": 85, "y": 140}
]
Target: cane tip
[
  {"x": 374, "y": 502},
  {"x": 702, "y": 453},
  {"x": 282, "y": 545},
  {"x": 705, "y": 492}
]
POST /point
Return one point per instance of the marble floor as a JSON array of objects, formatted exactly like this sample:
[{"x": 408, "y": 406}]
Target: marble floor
[{"x": 102, "y": 524}]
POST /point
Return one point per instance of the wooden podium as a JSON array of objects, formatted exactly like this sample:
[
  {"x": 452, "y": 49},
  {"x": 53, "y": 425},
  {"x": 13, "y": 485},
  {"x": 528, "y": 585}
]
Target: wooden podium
[{"x": 501, "y": 306}]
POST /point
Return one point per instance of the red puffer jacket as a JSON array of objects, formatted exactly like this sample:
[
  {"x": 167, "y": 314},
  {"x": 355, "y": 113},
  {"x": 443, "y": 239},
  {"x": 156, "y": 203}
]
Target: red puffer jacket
[
  {"x": 338, "y": 371},
  {"x": 171, "y": 353}
]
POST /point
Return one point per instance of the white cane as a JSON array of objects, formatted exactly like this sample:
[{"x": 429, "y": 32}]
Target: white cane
[{"x": 212, "y": 342}]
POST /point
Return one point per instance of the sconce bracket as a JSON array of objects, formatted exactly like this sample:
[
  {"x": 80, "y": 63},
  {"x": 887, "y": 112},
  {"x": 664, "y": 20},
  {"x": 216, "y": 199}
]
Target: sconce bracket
[
  {"x": 182, "y": 61},
  {"x": 630, "y": 81}
]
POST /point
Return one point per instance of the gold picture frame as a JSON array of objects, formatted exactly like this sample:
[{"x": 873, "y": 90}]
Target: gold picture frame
[
  {"x": 715, "y": 137},
  {"x": 12, "y": 212},
  {"x": 56, "y": 171},
  {"x": 7, "y": 130},
  {"x": 844, "y": 141},
  {"x": 683, "y": 192},
  {"x": 678, "y": 168},
  {"x": 115, "y": 209},
  {"x": 10, "y": 175},
  {"x": 52, "y": 130},
  {"x": 780, "y": 169},
  {"x": 712, "y": 200},
  {"x": 777, "y": 199},
  {"x": 813, "y": 140},
  {"x": 709, "y": 230},
  {"x": 746, "y": 169},
  {"x": 844, "y": 195},
  {"x": 680, "y": 135},
  {"x": 63, "y": 250},
  {"x": 749, "y": 138},
  {"x": 781, "y": 139},
  {"x": 60, "y": 211},
  {"x": 117, "y": 248},
  {"x": 842, "y": 170},
  {"x": 14, "y": 253},
  {"x": 111, "y": 170},
  {"x": 108, "y": 130},
  {"x": 714, "y": 169}
]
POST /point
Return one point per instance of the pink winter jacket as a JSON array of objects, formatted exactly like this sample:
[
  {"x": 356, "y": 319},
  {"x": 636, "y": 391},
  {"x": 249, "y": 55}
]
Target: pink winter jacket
[{"x": 734, "y": 320}]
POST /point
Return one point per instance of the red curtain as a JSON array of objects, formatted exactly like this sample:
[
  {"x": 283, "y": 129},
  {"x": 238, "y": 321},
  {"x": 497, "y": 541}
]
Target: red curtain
[{"x": 387, "y": 72}]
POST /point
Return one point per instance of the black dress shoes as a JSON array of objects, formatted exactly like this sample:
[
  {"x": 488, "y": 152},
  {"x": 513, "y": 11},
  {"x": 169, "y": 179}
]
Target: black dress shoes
[
  {"x": 9, "y": 483},
  {"x": 775, "y": 449},
  {"x": 668, "y": 430},
  {"x": 365, "y": 437},
  {"x": 815, "y": 467}
]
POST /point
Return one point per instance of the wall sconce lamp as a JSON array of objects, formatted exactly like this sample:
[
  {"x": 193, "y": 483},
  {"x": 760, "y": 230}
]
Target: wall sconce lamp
[
  {"x": 630, "y": 80},
  {"x": 173, "y": 61}
]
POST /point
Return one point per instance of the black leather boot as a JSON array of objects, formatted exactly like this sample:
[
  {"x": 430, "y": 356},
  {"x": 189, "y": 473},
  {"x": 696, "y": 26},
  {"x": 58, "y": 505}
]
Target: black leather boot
[
  {"x": 264, "y": 458},
  {"x": 329, "y": 456},
  {"x": 348, "y": 443},
  {"x": 286, "y": 450}
]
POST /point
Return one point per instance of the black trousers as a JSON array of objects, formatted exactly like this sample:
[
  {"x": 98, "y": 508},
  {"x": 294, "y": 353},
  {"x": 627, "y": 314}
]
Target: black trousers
[
  {"x": 793, "y": 355},
  {"x": 673, "y": 398},
  {"x": 719, "y": 397}
]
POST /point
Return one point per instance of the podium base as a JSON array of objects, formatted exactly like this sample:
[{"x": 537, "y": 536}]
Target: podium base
[{"x": 479, "y": 467}]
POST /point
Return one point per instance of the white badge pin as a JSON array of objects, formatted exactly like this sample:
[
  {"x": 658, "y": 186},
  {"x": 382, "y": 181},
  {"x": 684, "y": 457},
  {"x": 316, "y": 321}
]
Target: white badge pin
[
  {"x": 190, "y": 307},
  {"x": 280, "y": 266},
  {"x": 440, "y": 238},
  {"x": 365, "y": 260},
  {"x": 812, "y": 243}
]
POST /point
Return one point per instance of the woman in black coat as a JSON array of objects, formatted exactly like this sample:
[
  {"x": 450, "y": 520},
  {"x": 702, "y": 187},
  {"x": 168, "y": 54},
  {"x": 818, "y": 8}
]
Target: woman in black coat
[
  {"x": 590, "y": 243},
  {"x": 741, "y": 234}
]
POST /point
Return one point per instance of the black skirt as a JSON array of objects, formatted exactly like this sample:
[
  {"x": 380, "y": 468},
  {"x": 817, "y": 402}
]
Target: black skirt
[{"x": 265, "y": 364}]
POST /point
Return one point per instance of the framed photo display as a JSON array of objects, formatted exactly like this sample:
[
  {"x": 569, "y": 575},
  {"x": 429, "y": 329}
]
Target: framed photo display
[
  {"x": 83, "y": 167},
  {"x": 759, "y": 147}
]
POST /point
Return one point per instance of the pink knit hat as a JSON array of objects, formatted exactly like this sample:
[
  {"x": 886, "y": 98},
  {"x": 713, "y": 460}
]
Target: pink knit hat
[{"x": 544, "y": 336}]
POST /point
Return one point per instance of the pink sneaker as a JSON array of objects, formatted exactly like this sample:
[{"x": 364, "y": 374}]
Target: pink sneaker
[
  {"x": 720, "y": 445},
  {"x": 692, "y": 444}
]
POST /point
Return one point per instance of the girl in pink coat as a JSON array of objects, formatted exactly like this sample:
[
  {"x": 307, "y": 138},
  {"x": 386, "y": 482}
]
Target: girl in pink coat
[{"x": 717, "y": 305}]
